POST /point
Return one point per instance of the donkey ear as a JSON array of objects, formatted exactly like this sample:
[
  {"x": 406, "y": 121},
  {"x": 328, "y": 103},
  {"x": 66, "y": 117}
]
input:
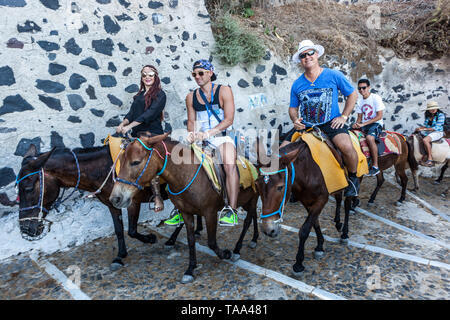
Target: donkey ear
[
  {"x": 154, "y": 139},
  {"x": 40, "y": 162},
  {"x": 31, "y": 152},
  {"x": 289, "y": 157}
]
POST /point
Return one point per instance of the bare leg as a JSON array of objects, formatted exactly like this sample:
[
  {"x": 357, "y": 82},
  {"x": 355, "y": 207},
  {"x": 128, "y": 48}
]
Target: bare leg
[
  {"x": 228, "y": 153},
  {"x": 373, "y": 149},
  {"x": 427, "y": 143},
  {"x": 344, "y": 144}
]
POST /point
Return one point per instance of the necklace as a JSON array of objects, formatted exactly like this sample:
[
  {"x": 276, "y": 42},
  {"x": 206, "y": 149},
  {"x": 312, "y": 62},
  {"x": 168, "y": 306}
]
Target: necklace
[{"x": 312, "y": 82}]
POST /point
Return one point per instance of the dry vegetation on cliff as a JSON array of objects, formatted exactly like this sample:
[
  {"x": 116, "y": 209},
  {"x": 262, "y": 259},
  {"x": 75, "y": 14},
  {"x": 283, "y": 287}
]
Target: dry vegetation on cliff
[{"x": 410, "y": 28}]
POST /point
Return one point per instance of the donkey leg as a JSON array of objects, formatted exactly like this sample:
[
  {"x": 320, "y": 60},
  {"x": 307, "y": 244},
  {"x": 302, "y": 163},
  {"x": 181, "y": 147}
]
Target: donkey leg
[
  {"x": 303, "y": 234},
  {"x": 403, "y": 182},
  {"x": 347, "y": 206},
  {"x": 247, "y": 223},
  {"x": 211, "y": 229},
  {"x": 173, "y": 238},
  {"x": 189, "y": 222},
  {"x": 337, "y": 216},
  {"x": 318, "y": 251},
  {"x": 441, "y": 176},
  {"x": 133, "y": 217},
  {"x": 380, "y": 181},
  {"x": 116, "y": 215},
  {"x": 199, "y": 226},
  {"x": 252, "y": 210}
]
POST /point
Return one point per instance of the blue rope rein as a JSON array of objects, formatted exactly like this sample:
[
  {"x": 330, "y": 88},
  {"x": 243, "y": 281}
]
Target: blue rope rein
[
  {"x": 286, "y": 171},
  {"x": 192, "y": 180}
]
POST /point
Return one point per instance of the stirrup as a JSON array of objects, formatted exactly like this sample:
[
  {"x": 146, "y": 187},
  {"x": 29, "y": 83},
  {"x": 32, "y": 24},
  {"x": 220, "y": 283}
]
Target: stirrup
[
  {"x": 154, "y": 201},
  {"x": 222, "y": 217}
]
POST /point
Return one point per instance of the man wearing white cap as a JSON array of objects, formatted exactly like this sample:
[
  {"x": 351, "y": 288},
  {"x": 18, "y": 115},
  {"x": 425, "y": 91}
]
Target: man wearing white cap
[
  {"x": 314, "y": 103},
  {"x": 432, "y": 129}
]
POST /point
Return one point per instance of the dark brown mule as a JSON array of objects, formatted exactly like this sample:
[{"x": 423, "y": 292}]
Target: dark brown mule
[
  {"x": 199, "y": 197},
  {"x": 400, "y": 162},
  {"x": 58, "y": 169},
  {"x": 308, "y": 187}
]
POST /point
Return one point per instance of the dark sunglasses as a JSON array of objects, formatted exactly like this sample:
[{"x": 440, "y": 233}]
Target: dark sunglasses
[
  {"x": 309, "y": 53},
  {"x": 200, "y": 73},
  {"x": 362, "y": 88}
]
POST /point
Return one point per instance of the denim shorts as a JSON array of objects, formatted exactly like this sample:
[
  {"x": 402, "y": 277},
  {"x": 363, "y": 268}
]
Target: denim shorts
[
  {"x": 325, "y": 128},
  {"x": 373, "y": 129}
]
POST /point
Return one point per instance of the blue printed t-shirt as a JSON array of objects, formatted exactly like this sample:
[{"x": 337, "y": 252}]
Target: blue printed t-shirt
[{"x": 318, "y": 101}]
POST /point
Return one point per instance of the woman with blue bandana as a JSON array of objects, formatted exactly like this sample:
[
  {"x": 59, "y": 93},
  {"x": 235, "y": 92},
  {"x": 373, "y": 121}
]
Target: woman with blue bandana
[{"x": 211, "y": 107}]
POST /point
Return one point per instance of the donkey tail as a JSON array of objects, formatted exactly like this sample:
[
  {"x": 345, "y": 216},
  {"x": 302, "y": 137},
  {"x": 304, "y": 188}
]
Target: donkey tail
[{"x": 413, "y": 164}]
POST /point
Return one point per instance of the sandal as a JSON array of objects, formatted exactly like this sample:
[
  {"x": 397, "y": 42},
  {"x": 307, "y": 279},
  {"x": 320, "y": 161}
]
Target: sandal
[{"x": 428, "y": 163}]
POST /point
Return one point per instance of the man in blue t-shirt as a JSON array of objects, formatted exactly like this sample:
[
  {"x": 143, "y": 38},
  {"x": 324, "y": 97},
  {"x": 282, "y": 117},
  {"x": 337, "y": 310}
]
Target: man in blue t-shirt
[{"x": 314, "y": 102}]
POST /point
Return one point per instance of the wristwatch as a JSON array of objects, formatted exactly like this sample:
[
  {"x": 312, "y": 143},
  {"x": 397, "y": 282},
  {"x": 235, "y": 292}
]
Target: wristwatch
[{"x": 344, "y": 116}]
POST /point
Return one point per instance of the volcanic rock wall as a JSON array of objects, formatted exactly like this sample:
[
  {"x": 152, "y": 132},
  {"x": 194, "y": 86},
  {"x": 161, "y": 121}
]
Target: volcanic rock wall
[{"x": 69, "y": 70}]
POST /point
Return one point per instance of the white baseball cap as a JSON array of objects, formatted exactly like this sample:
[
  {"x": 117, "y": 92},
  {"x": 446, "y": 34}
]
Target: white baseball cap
[{"x": 305, "y": 45}]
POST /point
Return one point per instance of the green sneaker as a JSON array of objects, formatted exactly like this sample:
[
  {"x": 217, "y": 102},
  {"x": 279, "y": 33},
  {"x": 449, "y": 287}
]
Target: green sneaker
[
  {"x": 228, "y": 217},
  {"x": 175, "y": 220}
]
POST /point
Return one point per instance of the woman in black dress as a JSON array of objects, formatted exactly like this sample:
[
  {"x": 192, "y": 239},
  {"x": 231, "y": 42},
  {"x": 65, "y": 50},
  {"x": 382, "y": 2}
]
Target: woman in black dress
[{"x": 146, "y": 115}]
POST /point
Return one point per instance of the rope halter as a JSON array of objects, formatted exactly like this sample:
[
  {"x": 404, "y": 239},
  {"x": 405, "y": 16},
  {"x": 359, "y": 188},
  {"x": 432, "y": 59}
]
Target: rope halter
[{"x": 267, "y": 175}]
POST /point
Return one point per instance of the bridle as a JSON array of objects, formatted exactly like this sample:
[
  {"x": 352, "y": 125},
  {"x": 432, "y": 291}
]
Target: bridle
[
  {"x": 267, "y": 175},
  {"x": 40, "y": 205},
  {"x": 136, "y": 183}
]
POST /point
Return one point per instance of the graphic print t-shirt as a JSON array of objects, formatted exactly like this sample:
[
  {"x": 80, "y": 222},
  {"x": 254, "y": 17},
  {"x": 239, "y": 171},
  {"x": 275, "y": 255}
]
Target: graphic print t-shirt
[
  {"x": 318, "y": 101},
  {"x": 369, "y": 107}
]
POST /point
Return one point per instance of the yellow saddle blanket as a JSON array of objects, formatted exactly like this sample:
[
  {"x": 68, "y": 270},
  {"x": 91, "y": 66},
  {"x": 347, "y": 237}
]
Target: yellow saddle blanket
[
  {"x": 332, "y": 172},
  {"x": 115, "y": 148},
  {"x": 247, "y": 171}
]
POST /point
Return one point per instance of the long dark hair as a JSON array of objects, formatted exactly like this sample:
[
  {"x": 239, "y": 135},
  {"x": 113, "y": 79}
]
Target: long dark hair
[
  {"x": 430, "y": 116},
  {"x": 154, "y": 89}
]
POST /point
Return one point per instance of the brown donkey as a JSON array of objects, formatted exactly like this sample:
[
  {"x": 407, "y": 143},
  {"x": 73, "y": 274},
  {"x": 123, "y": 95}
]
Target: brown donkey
[
  {"x": 193, "y": 192},
  {"x": 300, "y": 175}
]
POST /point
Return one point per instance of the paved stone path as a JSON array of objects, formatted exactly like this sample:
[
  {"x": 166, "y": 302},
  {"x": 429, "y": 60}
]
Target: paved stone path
[{"x": 154, "y": 272}]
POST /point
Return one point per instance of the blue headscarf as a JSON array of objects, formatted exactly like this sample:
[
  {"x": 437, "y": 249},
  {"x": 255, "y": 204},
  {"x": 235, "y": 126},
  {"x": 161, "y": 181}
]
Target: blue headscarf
[{"x": 205, "y": 64}]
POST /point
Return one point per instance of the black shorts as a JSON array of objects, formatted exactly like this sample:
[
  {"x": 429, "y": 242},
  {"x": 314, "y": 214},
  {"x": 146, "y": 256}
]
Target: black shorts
[{"x": 325, "y": 128}]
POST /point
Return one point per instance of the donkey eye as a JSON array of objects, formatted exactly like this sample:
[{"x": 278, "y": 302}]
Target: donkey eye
[
  {"x": 135, "y": 163},
  {"x": 279, "y": 188}
]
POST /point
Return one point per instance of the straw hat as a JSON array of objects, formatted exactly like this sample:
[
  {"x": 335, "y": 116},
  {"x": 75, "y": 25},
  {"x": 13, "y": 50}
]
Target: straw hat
[
  {"x": 431, "y": 105},
  {"x": 305, "y": 45}
]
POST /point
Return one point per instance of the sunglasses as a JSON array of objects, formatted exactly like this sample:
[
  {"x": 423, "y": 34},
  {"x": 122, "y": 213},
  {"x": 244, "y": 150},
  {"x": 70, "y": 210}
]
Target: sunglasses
[
  {"x": 200, "y": 73},
  {"x": 309, "y": 53},
  {"x": 150, "y": 74},
  {"x": 362, "y": 88}
]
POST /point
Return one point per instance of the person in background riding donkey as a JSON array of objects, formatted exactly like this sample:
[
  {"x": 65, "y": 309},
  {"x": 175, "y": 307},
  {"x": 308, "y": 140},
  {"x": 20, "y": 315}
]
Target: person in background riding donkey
[
  {"x": 370, "y": 108},
  {"x": 146, "y": 115},
  {"x": 314, "y": 103},
  {"x": 432, "y": 129}
]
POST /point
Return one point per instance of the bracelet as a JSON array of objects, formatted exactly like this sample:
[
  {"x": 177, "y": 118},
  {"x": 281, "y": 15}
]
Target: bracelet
[{"x": 344, "y": 116}]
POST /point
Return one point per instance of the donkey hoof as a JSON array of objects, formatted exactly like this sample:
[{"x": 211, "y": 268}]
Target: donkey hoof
[
  {"x": 252, "y": 245},
  {"x": 226, "y": 254},
  {"x": 398, "y": 203},
  {"x": 116, "y": 265},
  {"x": 319, "y": 254},
  {"x": 343, "y": 241},
  {"x": 370, "y": 204},
  {"x": 235, "y": 257},
  {"x": 298, "y": 272},
  {"x": 187, "y": 279},
  {"x": 435, "y": 182}
]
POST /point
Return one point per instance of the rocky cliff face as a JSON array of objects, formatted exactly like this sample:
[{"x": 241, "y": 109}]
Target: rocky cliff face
[{"x": 69, "y": 70}]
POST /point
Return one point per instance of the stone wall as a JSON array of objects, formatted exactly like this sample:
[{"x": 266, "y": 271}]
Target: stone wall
[{"x": 69, "y": 70}]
